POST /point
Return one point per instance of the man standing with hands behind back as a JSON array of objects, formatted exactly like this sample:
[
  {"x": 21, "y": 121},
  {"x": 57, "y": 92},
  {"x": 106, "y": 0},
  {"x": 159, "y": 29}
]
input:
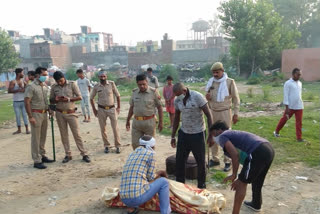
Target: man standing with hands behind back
[
  {"x": 107, "y": 91},
  {"x": 221, "y": 94}
]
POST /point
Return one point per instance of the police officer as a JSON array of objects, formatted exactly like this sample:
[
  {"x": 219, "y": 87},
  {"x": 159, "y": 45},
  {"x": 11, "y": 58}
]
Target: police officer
[
  {"x": 64, "y": 93},
  {"x": 152, "y": 80},
  {"x": 222, "y": 95},
  {"x": 143, "y": 102},
  {"x": 106, "y": 91},
  {"x": 36, "y": 104}
]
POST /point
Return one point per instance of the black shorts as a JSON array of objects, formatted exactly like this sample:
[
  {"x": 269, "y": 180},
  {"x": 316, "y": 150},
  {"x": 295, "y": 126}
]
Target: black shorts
[{"x": 258, "y": 162}]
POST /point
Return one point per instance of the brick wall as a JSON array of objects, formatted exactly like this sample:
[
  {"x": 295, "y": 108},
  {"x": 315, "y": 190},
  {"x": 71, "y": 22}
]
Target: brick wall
[{"x": 307, "y": 60}]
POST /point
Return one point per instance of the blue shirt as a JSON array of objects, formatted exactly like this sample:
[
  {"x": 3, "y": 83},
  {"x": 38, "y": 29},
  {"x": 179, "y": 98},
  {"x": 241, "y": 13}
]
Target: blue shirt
[
  {"x": 245, "y": 141},
  {"x": 137, "y": 173}
]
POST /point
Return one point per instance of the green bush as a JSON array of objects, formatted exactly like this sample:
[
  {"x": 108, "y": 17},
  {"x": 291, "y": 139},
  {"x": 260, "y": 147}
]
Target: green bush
[
  {"x": 204, "y": 72},
  {"x": 254, "y": 80},
  {"x": 250, "y": 92},
  {"x": 168, "y": 70},
  {"x": 266, "y": 94},
  {"x": 71, "y": 74}
]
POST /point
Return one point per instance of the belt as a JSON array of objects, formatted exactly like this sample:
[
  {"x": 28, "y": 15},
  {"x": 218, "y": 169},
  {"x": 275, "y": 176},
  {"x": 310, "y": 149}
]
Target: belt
[
  {"x": 144, "y": 117},
  {"x": 42, "y": 111},
  {"x": 66, "y": 112},
  {"x": 106, "y": 107},
  {"x": 221, "y": 110}
]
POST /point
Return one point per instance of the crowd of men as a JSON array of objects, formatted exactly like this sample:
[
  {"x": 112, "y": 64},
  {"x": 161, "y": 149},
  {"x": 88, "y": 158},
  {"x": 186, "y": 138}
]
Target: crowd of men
[{"x": 220, "y": 105}]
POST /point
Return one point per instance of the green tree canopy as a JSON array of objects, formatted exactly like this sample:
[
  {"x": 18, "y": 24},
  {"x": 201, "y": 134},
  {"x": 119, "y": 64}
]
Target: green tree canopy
[
  {"x": 168, "y": 70},
  {"x": 304, "y": 16},
  {"x": 256, "y": 34},
  {"x": 9, "y": 59}
]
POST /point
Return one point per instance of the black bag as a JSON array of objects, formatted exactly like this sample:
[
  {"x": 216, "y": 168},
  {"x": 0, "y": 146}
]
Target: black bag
[{"x": 191, "y": 167}]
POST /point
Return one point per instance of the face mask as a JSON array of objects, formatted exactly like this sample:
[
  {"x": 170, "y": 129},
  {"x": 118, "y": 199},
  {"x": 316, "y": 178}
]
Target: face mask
[
  {"x": 103, "y": 81},
  {"x": 42, "y": 78}
]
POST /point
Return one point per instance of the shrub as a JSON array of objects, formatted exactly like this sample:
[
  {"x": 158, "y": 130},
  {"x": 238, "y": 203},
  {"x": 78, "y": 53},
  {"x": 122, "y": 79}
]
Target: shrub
[
  {"x": 266, "y": 94},
  {"x": 253, "y": 80},
  {"x": 250, "y": 92},
  {"x": 168, "y": 70},
  {"x": 71, "y": 74}
]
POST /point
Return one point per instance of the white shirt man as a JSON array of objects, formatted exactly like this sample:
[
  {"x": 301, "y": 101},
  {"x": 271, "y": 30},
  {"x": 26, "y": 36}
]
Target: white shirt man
[{"x": 292, "y": 99}]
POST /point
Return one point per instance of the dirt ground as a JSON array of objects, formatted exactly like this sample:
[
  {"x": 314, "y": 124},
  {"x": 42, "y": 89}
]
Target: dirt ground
[{"x": 76, "y": 187}]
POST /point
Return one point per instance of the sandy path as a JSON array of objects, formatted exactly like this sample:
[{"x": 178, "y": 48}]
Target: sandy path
[{"x": 76, "y": 187}]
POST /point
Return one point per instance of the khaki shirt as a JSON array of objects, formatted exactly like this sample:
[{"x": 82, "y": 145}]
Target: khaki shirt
[
  {"x": 153, "y": 81},
  {"x": 106, "y": 93},
  {"x": 38, "y": 95},
  {"x": 233, "y": 97},
  {"x": 144, "y": 103},
  {"x": 69, "y": 89}
]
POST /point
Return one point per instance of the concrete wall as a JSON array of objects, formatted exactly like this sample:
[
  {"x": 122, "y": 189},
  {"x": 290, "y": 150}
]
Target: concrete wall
[
  {"x": 196, "y": 55},
  {"x": 107, "y": 58},
  {"x": 307, "y": 59}
]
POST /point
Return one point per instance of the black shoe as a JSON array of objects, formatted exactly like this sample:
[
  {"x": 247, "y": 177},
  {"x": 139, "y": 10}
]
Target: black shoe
[
  {"x": 250, "y": 206},
  {"x": 86, "y": 158},
  {"x": 227, "y": 167},
  {"x": 45, "y": 159},
  {"x": 118, "y": 150},
  {"x": 66, "y": 159},
  {"x": 202, "y": 186},
  {"x": 39, "y": 166},
  {"x": 106, "y": 150},
  {"x": 213, "y": 163}
]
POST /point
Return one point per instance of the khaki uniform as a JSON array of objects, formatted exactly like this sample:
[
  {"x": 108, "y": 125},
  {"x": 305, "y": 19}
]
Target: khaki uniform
[
  {"x": 39, "y": 101},
  {"x": 106, "y": 98},
  {"x": 70, "y": 89},
  {"x": 144, "y": 104},
  {"x": 222, "y": 110},
  {"x": 153, "y": 81}
]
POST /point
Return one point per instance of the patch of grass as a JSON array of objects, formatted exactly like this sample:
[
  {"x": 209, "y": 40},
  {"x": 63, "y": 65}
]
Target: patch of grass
[
  {"x": 250, "y": 92},
  {"x": 7, "y": 112},
  {"x": 266, "y": 94},
  {"x": 218, "y": 175},
  {"x": 287, "y": 149}
]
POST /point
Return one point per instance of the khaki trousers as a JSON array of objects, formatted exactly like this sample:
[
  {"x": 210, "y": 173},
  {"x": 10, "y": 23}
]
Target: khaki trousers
[
  {"x": 225, "y": 116},
  {"x": 103, "y": 115},
  {"x": 38, "y": 136},
  {"x": 140, "y": 128},
  {"x": 63, "y": 121}
]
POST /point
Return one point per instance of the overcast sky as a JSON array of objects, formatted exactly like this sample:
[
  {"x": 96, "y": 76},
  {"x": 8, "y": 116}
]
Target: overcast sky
[{"x": 128, "y": 20}]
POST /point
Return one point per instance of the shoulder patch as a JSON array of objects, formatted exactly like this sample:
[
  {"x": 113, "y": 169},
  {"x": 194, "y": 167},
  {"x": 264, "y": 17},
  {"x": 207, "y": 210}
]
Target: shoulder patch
[{"x": 134, "y": 90}]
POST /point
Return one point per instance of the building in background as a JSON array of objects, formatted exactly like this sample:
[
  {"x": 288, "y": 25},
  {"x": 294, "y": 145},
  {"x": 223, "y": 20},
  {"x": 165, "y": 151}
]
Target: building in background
[
  {"x": 147, "y": 46},
  {"x": 306, "y": 59},
  {"x": 93, "y": 41}
]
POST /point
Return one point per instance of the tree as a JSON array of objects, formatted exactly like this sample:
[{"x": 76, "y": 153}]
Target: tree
[
  {"x": 301, "y": 15},
  {"x": 215, "y": 26},
  {"x": 256, "y": 34},
  {"x": 9, "y": 58},
  {"x": 168, "y": 70}
]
